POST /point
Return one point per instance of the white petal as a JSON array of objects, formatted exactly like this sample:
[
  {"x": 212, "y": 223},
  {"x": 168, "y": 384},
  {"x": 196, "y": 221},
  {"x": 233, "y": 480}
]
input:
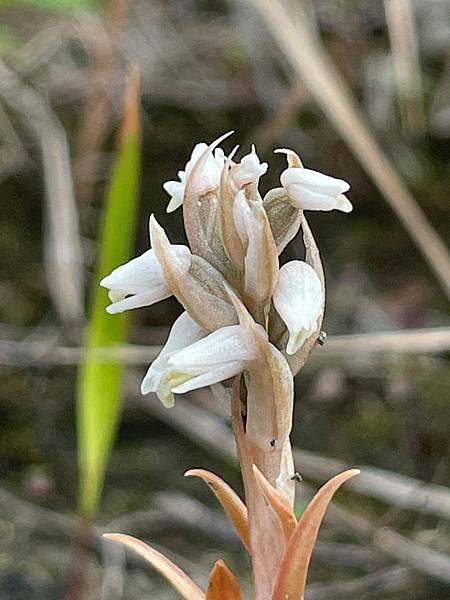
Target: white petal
[
  {"x": 137, "y": 275},
  {"x": 299, "y": 300},
  {"x": 307, "y": 199},
  {"x": 313, "y": 180},
  {"x": 227, "y": 344},
  {"x": 210, "y": 176},
  {"x": 139, "y": 300},
  {"x": 175, "y": 189},
  {"x": 344, "y": 204},
  {"x": 139, "y": 282},
  {"x": 184, "y": 331},
  {"x": 249, "y": 170},
  {"x": 215, "y": 376}
]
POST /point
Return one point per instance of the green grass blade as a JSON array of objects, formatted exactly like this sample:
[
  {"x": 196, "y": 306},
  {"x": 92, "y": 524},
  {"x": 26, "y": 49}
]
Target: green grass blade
[{"x": 99, "y": 391}]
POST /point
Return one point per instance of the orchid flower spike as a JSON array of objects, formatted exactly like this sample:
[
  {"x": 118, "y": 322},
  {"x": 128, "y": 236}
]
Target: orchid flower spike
[
  {"x": 210, "y": 178},
  {"x": 140, "y": 282},
  {"x": 311, "y": 190}
]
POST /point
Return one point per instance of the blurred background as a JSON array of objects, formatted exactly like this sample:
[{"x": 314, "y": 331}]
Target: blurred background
[{"x": 360, "y": 89}]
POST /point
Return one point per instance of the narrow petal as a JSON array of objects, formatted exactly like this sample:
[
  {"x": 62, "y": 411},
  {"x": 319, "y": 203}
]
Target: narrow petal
[
  {"x": 214, "y": 376},
  {"x": 344, "y": 204},
  {"x": 299, "y": 301},
  {"x": 223, "y": 585},
  {"x": 232, "y": 504},
  {"x": 184, "y": 332},
  {"x": 291, "y": 580},
  {"x": 176, "y": 577},
  {"x": 139, "y": 300}
]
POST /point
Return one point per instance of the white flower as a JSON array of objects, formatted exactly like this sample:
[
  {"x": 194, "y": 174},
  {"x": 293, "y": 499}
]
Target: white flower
[
  {"x": 140, "y": 282},
  {"x": 311, "y": 190},
  {"x": 209, "y": 180},
  {"x": 249, "y": 170},
  {"x": 184, "y": 332},
  {"x": 299, "y": 300},
  {"x": 218, "y": 356}
]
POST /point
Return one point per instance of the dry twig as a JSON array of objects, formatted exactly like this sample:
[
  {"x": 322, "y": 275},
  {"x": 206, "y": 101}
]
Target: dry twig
[
  {"x": 63, "y": 256},
  {"x": 304, "y": 51}
]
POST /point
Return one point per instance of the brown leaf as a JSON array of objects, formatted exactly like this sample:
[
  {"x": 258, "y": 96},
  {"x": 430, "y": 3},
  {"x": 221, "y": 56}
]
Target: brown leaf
[
  {"x": 291, "y": 580},
  {"x": 229, "y": 235},
  {"x": 176, "y": 577},
  {"x": 200, "y": 214},
  {"x": 284, "y": 217},
  {"x": 200, "y": 288},
  {"x": 261, "y": 261},
  {"x": 279, "y": 503},
  {"x": 223, "y": 585},
  {"x": 232, "y": 504},
  {"x": 269, "y": 403}
]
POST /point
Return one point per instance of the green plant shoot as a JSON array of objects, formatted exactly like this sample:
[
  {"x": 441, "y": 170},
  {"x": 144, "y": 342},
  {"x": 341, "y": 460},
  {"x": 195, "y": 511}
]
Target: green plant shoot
[{"x": 100, "y": 385}]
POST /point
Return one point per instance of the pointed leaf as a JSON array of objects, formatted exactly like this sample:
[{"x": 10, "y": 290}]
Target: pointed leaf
[
  {"x": 232, "y": 504},
  {"x": 230, "y": 237},
  {"x": 291, "y": 581},
  {"x": 176, "y": 577},
  {"x": 279, "y": 503},
  {"x": 99, "y": 382},
  {"x": 200, "y": 213},
  {"x": 223, "y": 585},
  {"x": 198, "y": 286}
]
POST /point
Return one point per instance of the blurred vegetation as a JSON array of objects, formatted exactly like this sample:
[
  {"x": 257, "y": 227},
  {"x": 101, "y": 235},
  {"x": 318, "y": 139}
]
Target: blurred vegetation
[{"x": 206, "y": 68}]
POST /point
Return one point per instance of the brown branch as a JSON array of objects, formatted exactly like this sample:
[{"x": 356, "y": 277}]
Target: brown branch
[{"x": 45, "y": 349}]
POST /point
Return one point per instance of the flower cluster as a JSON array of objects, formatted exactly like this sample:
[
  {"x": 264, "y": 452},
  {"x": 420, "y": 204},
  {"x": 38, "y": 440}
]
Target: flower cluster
[
  {"x": 235, "y": 239},
  {"x": 247, "y": 319}
]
